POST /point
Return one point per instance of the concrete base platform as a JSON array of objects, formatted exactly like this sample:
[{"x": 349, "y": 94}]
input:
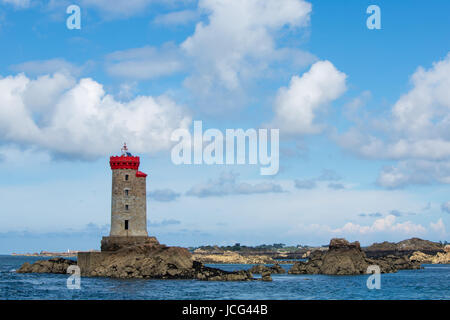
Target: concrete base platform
[
  {"x": 115, "y": 243},
  {"x": 88, "y": 261}
]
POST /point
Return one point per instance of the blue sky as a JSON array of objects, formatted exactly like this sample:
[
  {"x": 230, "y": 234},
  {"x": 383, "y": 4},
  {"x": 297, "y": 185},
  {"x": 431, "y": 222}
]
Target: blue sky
[{"x": 363, "y": 118}]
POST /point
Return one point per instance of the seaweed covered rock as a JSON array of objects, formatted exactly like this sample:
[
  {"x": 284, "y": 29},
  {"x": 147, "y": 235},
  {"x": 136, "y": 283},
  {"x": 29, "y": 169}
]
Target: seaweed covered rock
[
  {"x": 260, "y": 269},
  {"x": 202, "y": 272},
  {"x": 54, "y": 265}
]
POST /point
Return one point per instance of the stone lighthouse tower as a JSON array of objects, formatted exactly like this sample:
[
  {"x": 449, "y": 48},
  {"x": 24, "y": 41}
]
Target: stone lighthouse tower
[{"x": 128, "y": 204}]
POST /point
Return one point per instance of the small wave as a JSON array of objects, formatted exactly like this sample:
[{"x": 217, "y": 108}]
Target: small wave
[{"x": 12, "y": 270}]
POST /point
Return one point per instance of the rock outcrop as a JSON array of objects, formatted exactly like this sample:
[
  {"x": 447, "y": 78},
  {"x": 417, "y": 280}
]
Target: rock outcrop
[
  {"x": 392, "y": 263},
  {"x": 55, "y": 265},
  {"x": 260, "y": 269},
  {"x": 345, "y": 258},
  {"x": 141, "y": 261},
  {"x": 266, "y": 276},
  {"x": 405, "y": 247},
  {"x": 439, "y": 258},
  {"x": 230, "y": 257},
  {"x": 212, "y": 274}
]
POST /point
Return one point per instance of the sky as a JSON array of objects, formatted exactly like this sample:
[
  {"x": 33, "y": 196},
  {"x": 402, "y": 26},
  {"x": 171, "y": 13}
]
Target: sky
[{"x": 363, "y": 117}]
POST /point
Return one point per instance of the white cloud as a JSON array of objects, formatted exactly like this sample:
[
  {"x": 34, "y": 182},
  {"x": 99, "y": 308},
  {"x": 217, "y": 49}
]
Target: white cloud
[
  {"x": 439, "y": 228},
  {"x": 80, "y": 119},
  {"x": 386, "y": 224},
  {"x": 297, "y": 106},
  {"x": 14, "y": 157},
  {"x": 415, "y": 133},
  {"x": 414, "y": 172},
  {"x": 237, "y": 43},
  {"x": 145, "y": 63}
]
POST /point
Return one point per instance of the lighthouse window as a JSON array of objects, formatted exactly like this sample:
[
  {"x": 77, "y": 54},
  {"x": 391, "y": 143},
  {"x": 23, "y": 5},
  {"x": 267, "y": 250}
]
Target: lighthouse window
[
  {"x": 126, "y": 192},
  {"x": 126, "y": 177},
  {"x": 126, "y": 207},
  {"x": 126, "y": 224}
]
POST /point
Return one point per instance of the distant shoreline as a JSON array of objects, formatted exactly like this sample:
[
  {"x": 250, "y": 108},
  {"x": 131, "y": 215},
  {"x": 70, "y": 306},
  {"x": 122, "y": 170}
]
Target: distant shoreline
[{"x": 69, "y": 254}]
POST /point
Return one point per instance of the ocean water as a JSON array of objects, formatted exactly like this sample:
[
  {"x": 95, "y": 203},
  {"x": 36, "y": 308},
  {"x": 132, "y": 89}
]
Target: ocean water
[{"x": 432, "y": 282}]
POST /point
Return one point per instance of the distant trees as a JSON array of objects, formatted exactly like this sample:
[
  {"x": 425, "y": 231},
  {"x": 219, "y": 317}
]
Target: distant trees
[{"x": 243, "y": 248}]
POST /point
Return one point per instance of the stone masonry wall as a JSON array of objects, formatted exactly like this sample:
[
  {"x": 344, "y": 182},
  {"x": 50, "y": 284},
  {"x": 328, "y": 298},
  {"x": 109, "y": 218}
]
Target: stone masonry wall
[{"x": 136, "y": 201}]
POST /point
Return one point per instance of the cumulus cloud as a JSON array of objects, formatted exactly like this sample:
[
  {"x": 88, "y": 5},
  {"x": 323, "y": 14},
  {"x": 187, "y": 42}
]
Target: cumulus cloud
[
  {"x": 386, "y": 228},
  {"x": 226, "y": 185},
  {"x": 247, "y": 44},
  {"x": 415, "y": 133},
  {"x": 78, "y": 118},
  {"x": 145, "y": 63},
  {"x": 386, "y": 224},
  {"x": 221, "y": 71},
  {"x": 414, "y": 172},
  {"x": 163, "y": 195},
  {"x": 298, "y": 105},
  {"x": 439, "y": 228}
]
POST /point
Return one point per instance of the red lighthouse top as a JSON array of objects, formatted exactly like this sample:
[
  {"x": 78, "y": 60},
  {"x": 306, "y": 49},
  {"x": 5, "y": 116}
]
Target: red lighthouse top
[{"x": 126, "y": 161}]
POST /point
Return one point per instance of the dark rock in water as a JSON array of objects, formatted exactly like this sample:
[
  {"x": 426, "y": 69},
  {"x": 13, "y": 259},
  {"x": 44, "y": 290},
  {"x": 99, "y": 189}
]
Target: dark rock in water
[
  {"x": 259, "y": 269},
  {"x": 405, "y": 247},
  {"x": 212, "y": 274},
  {"x": 265, "y": 276},
  {"x": 392, "y": 263},
  {"x": 54, "y": 265},
  {"x": 345, "y": 258},
  {"x": 342, "y": 258},
  {"x": 141, "y": 261}
]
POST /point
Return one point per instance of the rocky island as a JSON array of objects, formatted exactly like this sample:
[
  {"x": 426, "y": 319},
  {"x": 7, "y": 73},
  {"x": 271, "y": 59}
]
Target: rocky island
[
  {"x": 140, "y": 261},
  {"x": 230, "y": 257},
  {"x": 402, "y": 248},
  {"x": 156, "y": 261},
  {"x": 345, "y": 258}
]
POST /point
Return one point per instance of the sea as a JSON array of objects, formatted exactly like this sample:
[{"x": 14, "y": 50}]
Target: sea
[{"x": 431, "y": 282}]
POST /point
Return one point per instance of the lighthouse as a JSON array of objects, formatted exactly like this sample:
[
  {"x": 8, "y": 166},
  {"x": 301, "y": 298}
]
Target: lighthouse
[{"x": 128, "y": 203}]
